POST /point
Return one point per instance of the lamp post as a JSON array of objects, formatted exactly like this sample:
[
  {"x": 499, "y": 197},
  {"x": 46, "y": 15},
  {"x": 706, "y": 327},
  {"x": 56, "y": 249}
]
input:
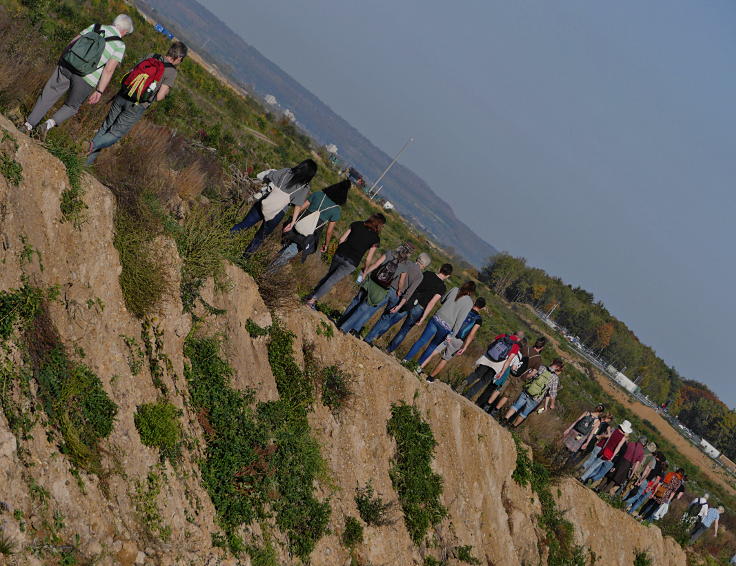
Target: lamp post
[{"x": 370, "y": 192}]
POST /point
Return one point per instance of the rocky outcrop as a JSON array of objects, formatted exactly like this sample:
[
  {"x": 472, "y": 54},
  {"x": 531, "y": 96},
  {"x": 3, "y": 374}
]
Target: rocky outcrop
[{"x": 102, "y": 516}]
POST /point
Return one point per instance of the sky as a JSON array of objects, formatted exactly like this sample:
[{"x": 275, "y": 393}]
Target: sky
[{"x": 593, "y": 138}]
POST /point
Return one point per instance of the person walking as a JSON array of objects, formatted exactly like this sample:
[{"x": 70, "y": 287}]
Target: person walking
[
  {"x": 544, "y": 384},
  {"x": 458, "y": 344},
  {"x": 664, "y": 493},
  {"x": 711, "y": 518},
  {"x": 414, "y": 310},
  {"x": 83, "y": 73},
  {"x": 595, "y": 445},
  {"x": 531, "y": 359},
  {"x": 285, "y": 187},
  {"x": 697, "y": 509},
  {"x": 303, "y": 233},
  {"x": 359, "y": 238},
  {"x": 386, "y": 281},
  {"x": 456, "y": 304},
  {"x": 604, "y": 461},
  {"x": 149, "y": 81},
  {"x": 644, "y": 490},
  {"x": 499, "y": 355},
  {"x": 626, "y": 466},
  {"x": 579, "y": 434}
]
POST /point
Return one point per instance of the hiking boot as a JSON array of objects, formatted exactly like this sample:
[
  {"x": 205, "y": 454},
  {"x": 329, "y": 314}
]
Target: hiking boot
[{"x": 431, "y": 379}]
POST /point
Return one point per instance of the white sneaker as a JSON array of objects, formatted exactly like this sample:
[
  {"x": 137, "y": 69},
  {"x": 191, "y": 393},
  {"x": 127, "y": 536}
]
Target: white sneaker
[
  {"x": 28, "y": 127},
  {"x": 48, "y": 124}
]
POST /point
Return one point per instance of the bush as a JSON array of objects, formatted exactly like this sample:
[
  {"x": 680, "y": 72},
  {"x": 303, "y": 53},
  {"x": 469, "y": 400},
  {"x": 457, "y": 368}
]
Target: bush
[
  {"x": 143, "y": 279},
  {"x": 352, "y": 536},
  {"x": 372, "y": 509},
  {"x": 418, "y": 487},
  {"x": 642, "y": 559},
  {"x": 73, "y": 208},
  {"x": 159, "y": 427},
  {"x": 336, "y": 388}
]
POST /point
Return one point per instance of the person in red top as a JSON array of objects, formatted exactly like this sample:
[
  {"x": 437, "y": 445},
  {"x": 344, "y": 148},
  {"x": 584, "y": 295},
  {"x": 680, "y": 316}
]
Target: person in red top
[
  {"x": 604, "y": 461},
  {"x": 486, "y": 369},
  {"x": 626, "y": 466}
]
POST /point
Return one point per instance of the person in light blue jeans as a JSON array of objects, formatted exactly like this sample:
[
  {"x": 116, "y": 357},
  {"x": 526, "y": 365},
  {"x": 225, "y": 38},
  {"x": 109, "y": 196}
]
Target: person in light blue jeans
[
  {"x": 387, "y": 320},
  {"x": 361, "y": 310},
  {"x": 456, "y": 305}
]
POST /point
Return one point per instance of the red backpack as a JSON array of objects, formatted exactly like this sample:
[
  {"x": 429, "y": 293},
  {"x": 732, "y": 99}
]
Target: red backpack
[{"x": 143, "y": 81}]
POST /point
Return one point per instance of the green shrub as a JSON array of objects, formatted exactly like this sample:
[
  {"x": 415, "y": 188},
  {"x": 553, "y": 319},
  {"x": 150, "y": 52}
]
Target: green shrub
[
  {"x": 73, "y": 208},
  {"x": 264, "y": 555},
  {"x": 11, "y": 169},
  {"x": 146, "y": 506},
  {"x": 159, "y": 427},
  {"x": 336, "y": 388},
  {"x": 372, "y": 509},
  {"x": 418, "y": 487},
  {"x": 352, "y": 536},
  {"x": 465, "y": 554},
  {"x": 254, "y": 330},
  {"x": 78, "y": 405},
  {"x": 642, "y": 559},
  {"x": 143, "y": 279},
  {"x": 21, "y": 305}
]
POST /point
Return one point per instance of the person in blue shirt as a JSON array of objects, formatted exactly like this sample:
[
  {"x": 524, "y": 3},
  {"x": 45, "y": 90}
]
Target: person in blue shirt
[
  {"x": 457, "y": 345},
  {"x": 711, "y": 518}
]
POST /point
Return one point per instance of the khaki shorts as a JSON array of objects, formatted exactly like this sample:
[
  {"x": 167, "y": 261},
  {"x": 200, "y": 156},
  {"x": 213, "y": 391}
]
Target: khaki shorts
[{"x": 449, "y": 347}]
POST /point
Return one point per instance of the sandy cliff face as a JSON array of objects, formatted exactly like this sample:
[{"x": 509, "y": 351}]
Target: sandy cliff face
[{"x": 474, "y": 456}]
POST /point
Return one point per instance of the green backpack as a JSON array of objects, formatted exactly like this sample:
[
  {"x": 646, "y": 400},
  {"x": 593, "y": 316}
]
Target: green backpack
[
  {"x": 539, "y": 384},
  {"x": 83, "y": 57}
]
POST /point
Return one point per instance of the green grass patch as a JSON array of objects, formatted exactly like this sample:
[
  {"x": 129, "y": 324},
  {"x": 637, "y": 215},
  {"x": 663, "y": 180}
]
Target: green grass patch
[
  {"x": 262, "y": 454},
  {"x": 559, "y": 531},
  {"x": 374, "y": 511},
  {"x": 642, "y": 558},
  {"x": 352, "y": 534},
  {"x": 337, "y": 388},
  {"x": 418, "y": 487},
  {"x": 465, "y": 554},
  {"x": 20, "y": 306},
  {"x": 145, "y": 499},
  {"x": 7, "y": 545},
  {"x": 73, "y": 207},
  {"x": 254, "y": 330},
  {"x": 159, "y": 427},
  {"x": 11, "y": 169}
]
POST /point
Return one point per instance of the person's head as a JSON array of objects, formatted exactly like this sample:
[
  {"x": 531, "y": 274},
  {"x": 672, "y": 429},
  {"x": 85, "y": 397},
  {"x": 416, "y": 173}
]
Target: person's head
[
  {"x": 721, "y": 510},
  {"x": 557, "y": 365},
  {"x": 177, "y": 52},
  {"x": 423, "y": 260},
  {"x": 303, "y": 173},
  {"x": 706, "y": 496},
  {"x": 652, "y": 447},
  {"x": 467, "y": 288},
  {"x": 445, "y": 271},
  {"x": 375, "y": 222},
  {"x": 519, "y": 334},
  {"x": 124, "y": 24},
  {"x": 680, "y": 472},
  {"x": 626, "y": 427},
  {"x": 338, "y": 192},
  {"x": 643, "y": 440},
  {"x": 540, "y": 343},
  {"x": 608, "y": 417},
  {"x": 599, "y": 408},
  {"x": 480, "y": 304}
]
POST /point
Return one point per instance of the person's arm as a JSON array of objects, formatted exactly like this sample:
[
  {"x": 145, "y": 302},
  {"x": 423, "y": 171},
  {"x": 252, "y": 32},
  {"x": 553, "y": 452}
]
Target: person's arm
[
  {"x": 294, "y": 215},
  {"x": 107, "y": 73},
  {"x": 402, "y": 283},
  {"x": 620, "y": 445},
  {"x": 368, "y": 258},
  {"x": 162, "y": 92},
  {"x": 468, "y": 340},
  {"x": 328, "y": 236},
  {"x": 715, "y": 524},
  {"x": 591, "y": 433},
  {"x": 428, "y": 309},
  {"x": 374, "y": 265},
  {"x": 344, "y": 237}
]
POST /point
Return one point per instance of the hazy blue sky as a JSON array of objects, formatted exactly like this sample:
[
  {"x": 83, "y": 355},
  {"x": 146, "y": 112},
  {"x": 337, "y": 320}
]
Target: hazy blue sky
[{"x": 593, "y": 138}]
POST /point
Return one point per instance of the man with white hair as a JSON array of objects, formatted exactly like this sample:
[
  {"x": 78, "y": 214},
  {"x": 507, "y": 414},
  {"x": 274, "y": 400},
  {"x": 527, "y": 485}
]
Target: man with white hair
[{"x": 84, "y": 71}]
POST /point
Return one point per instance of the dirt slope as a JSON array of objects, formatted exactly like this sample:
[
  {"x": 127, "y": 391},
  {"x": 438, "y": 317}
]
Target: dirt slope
[{"x": 475, "y": 456}]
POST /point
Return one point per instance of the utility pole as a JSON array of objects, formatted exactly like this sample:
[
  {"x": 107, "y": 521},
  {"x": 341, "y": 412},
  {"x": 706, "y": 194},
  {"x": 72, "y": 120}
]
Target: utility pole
[{"x": 373, "y": 195}]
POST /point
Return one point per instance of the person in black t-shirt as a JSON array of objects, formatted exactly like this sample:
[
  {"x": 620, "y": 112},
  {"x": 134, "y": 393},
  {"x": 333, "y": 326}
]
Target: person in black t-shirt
[
  {"x": 430, "y": 290},
  {"x": 360, "y": 238}
]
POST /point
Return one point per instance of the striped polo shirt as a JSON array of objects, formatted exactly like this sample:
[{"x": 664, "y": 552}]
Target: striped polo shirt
[{"x": 113, "y": 50}]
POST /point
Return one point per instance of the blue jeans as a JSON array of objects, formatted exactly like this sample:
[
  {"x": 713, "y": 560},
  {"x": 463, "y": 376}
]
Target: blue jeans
[
  {"x": 590, "y": 459},
  {"x": 120, "y": 119},
  {"x": 359, "y": 311},
  {"x": 388, "y": 319},
  {"x": 253, "y": 217},
  {"x": 284, "y": 257},
  {"x": 477, "y": 380},
  {"x": 638, "y": 499},
  {"x": 434, "y": 333},
  {"x": 599, "y": 469}
]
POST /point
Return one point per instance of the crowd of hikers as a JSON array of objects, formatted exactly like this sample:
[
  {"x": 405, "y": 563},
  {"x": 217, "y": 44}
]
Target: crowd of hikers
[{"x": 608, "y": 457}]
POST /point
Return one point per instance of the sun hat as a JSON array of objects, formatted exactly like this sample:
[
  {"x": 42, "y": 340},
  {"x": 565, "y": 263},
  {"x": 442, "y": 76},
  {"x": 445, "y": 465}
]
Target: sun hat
[
  {"x": 652, "y": 446},
  {"x": 626, "y": 427}
]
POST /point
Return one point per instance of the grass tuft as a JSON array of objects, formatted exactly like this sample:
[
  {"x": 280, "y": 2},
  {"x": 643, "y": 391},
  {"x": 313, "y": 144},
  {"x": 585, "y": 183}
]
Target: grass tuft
[
  {"x": 419, "y": 488},
  {"x": 352, "y": 535},
  {"x": 159, "y": 427},
  {"x": 73, "y": 207},
  {"x": 371, "y": 507}
]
